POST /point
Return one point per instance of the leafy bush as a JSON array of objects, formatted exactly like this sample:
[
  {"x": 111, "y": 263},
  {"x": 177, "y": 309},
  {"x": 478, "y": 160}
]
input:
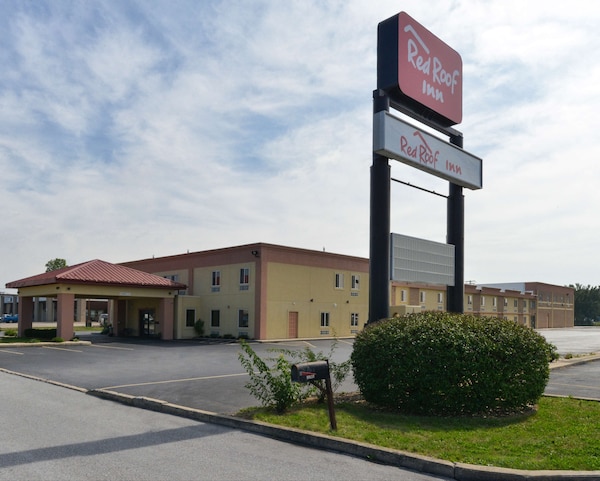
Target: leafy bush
[
  {"x": 448, "y": 364},
  {"x": 338, "y": 370},
  {"x": 272, "y": 386},
  {"x": 271, "y": 379},
  {"x": 199, "y": 327},
  {"x": 58, "y": 339},
  {"x": 40, "y": 333},
  {"x": 10, "y": 332}
]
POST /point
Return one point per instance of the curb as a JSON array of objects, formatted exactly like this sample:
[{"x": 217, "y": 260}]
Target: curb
[
  {"x": 574, "y": 361},
  {"x": 42, "y": 344},
  {"x": 391, "y": 457}
]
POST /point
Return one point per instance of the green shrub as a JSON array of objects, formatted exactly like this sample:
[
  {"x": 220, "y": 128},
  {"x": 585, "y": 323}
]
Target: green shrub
[
  {"x": 338, "y": 370},
  {"x": 271, "y": 379},
  {"x": 10, "y": 332},
  {"x": 40, "y": 333},
  {"x": 448, "y": 364},
  {"x": 199, "y": 327},
  {"x": 272, "y": 386},
  {"x": 58, "y": 339}
]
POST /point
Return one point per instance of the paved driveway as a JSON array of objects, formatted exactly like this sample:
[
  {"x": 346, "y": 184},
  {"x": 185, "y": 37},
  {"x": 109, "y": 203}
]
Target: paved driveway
[{"x": 210, "y": 377}]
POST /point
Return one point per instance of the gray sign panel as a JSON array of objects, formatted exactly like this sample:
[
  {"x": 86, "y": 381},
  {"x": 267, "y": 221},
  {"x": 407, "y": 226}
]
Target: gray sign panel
[
  {"x": 396, "y": 139},
  {"x": 420, "y": 260}
]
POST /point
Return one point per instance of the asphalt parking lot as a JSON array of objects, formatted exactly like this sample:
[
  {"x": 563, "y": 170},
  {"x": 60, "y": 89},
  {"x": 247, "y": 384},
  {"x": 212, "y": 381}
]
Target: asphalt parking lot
[{"x": 210, "y": 377}]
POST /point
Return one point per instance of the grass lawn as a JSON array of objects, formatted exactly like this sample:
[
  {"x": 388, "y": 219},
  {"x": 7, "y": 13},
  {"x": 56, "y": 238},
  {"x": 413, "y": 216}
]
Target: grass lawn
[{"x": 562, "y": 433}]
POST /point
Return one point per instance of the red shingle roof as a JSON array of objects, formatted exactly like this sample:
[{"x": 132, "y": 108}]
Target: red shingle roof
[{"x": 100, "y": 273}]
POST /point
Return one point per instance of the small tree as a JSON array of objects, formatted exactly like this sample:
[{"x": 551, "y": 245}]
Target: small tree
[
  {"x": 199, "y": 327},
  {"x": 55, "y": 264},
  {"x": 271, "y": 379},
  {"x": 272, "y": 386}
]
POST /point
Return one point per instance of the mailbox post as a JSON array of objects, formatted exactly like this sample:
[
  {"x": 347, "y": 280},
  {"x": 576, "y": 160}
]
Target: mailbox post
[{"x": 315, "y": 371}]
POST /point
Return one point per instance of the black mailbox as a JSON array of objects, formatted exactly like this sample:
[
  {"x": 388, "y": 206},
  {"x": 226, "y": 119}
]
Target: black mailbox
[{"x": 310, "y": 371}]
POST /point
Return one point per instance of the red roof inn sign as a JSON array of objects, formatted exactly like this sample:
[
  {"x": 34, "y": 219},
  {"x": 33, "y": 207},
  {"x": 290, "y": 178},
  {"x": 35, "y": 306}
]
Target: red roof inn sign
[
  {"x": 421, "y": 77},
  {"x": 418, "y": 67},
  {"x": 396, "y": 139}
]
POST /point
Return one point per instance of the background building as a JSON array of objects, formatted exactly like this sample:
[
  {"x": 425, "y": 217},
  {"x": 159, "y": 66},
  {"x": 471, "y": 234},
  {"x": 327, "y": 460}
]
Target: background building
[
  {"x": 265, "y": 291},
  {"x": 259, "y": 291}
]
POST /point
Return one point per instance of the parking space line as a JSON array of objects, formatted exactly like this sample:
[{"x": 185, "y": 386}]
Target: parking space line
[
  {"x": 6, "y": 351},
  {"x": 222, "y": 376},
  {"x": 571, "y": 385},
  {"x": 60, "y": 349},
  {"x": 113, "y": 347}
]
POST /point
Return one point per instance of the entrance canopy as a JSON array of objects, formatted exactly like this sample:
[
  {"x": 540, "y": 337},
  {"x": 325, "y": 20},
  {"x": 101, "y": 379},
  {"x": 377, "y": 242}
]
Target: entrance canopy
[{"x": 96, "y": 279}]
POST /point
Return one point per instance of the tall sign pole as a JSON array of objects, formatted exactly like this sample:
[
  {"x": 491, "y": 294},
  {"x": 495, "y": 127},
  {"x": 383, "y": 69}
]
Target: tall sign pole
[
  {"x": 379, "y": 246},
  {"x": 455, "y": 231},
  {"x": 420, "y": 76}
]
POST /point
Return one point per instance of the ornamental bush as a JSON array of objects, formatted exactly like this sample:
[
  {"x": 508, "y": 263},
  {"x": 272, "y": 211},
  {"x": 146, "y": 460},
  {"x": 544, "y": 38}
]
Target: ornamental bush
[{"x": 438, "y": 363}]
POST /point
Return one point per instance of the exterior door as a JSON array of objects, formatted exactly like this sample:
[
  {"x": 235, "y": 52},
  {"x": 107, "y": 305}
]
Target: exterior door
[
  {"x": 292, "y": 325},
  {"x": 147, "y": 323}
]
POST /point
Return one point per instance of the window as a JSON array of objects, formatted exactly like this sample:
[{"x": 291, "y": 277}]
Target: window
[
  {"x": 469, "y": 299},
  {"x": 482, "y": 300},
  {"x": 244, "y": 278},
  {"x": 505, "y": 302},
  {"x": 516, "y": 304},
  {"x": 215, "y": 318},
  {"x": 355, "y": 281},
  {"x": 190, "y": 317},
  {"x": 242, "y": 318},
  {"x": 494, "y": 302},
  {"x": 354, "y": 319},
  {"x": 440, "y": 297},
  {"x": 216, "y": 281},
  {"x": 422, "y": 296},
  {"x": 244, "y": 275},
  {"x": 402, "y": 296},
  {"x": 339, "y": 281},
  {"x": 324, "y": 319}
]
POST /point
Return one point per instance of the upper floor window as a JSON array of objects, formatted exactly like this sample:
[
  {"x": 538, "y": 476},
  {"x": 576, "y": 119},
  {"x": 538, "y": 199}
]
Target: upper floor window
[
  {"x": 440, "y": 297},
  {"x": 355, "y": 281},
  {"x": 216, "y": 281},
  {"x": 470, "y": 299},
  {"x": 403, "y": 295},
  {"x": 422, "y": 296},
  {"x": 482, "y": 300},
  {"x": 244, "y": 278},
  {"x": 339, "y": 280}
]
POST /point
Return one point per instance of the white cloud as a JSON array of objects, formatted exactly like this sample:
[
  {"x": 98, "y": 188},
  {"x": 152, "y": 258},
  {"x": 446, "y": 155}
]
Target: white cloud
[{"x": 132, "y": 130}]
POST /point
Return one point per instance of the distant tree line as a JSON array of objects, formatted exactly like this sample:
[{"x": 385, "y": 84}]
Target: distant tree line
[{"x": 587, "y": 304}]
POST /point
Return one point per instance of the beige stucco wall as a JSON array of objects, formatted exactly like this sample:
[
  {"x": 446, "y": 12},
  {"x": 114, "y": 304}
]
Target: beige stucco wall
[
  {"x": 309, "y": 291},
  {"x": 229, "y": 299}
]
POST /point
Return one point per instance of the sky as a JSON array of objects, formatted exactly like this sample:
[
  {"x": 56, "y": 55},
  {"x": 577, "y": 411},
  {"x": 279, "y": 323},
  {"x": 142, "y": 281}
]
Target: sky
[{"x": 131, "y": 129}]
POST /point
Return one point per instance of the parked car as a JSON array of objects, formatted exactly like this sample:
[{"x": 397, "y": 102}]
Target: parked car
[{"x": 10, "y": 318}]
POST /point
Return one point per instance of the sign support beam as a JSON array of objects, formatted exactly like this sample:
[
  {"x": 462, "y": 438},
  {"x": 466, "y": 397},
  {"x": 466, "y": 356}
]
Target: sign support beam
[
  {"x": 456, "y": 236},
  {"x": 379, "y": 245}
]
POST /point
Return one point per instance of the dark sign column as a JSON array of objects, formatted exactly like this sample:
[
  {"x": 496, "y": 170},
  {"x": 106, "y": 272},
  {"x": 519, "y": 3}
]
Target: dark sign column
[
  {"x": 420, "y": 76},
  {"x": 379, "y": 247}
]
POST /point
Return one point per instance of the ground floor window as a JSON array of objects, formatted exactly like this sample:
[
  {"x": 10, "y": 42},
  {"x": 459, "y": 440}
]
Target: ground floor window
[
  {"x": 354, "y": 319},
  {"x": 215, "y": 318},
  {"x": 190, "y": 317},
  {"x": 243, "y": 318},
  {"x": 324, "y": 319}
]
